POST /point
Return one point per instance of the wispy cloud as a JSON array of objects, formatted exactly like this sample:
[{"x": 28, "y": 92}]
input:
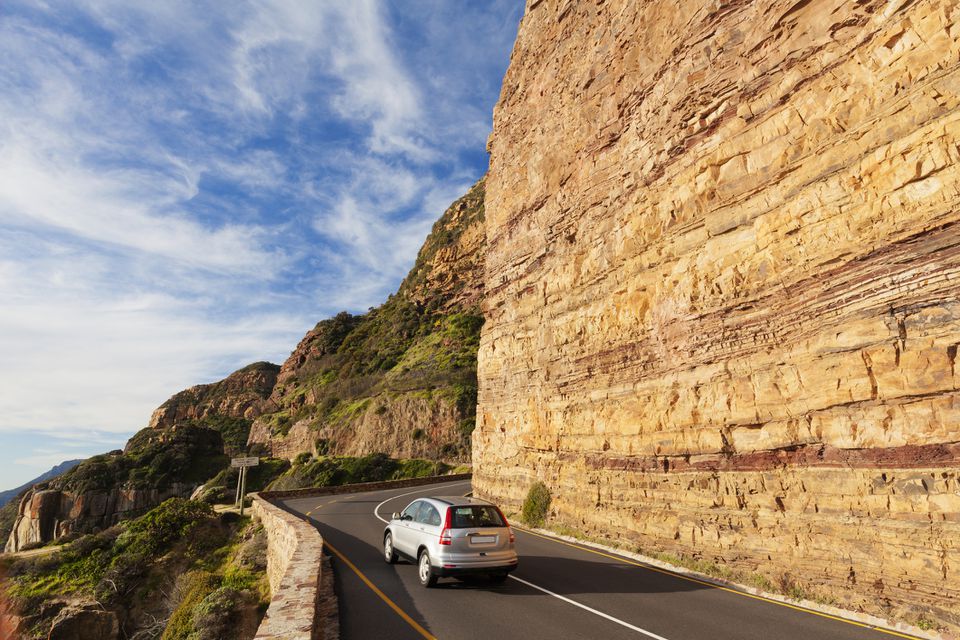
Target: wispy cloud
[{"x": 185, "y": 189}]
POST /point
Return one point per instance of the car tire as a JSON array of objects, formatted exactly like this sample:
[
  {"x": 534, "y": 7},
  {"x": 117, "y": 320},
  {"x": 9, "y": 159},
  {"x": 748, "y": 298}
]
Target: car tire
[
  {"x": 389, "y": 553},
  {"x": 425, "y": 572},
  {"x": 498, "y": 578}
]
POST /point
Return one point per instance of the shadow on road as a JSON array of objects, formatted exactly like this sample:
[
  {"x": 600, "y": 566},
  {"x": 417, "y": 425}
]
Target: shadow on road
[
  {"x": 570, "y": 576},
  {"x": 362, "y": 617}
]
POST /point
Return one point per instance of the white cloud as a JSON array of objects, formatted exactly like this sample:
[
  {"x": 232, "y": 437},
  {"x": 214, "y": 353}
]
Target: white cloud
[
  {"x": 115, "y": 208},
  {"x": 81, "y": 349}
]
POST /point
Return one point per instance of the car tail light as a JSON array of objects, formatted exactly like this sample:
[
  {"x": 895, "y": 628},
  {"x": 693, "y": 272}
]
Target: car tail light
[
  {"x": 445, "y": 533},
  {"x": 513, "y": 537}
]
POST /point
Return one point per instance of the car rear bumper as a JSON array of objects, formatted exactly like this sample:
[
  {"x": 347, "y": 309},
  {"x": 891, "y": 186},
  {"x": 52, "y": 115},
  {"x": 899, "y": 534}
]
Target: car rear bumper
[{"x": 475, "y": 569}]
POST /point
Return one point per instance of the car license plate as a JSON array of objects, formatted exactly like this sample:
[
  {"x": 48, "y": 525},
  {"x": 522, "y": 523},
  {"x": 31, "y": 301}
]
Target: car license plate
[{"x": 483, "y": 539}]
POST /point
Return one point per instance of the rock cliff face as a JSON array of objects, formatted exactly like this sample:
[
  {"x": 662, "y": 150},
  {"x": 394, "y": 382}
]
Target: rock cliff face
[
  {"x": 46, "y": 515},
  {"x": 723, "y": 276},
  {"x": 400, "y": 379},
  {"x": 242, "y": 394}
]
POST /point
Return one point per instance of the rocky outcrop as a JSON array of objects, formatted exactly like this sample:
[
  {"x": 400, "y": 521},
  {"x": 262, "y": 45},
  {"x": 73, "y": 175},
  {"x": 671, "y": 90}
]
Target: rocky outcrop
[
  {"x": 240, "y": 395},
  {"x": 46, "y": 515},
  {"x": 722, "y": 287},
  {"x": 409, "y": 425},
  {"x": 400, "y": 379},
  {"x": 157, "y": 464},
  {"x": 448, "y": 273},
  {"x": 85, "y": 623}
]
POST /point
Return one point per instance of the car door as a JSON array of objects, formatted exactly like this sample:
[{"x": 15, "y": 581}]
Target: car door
[
  {"x": 427, "y": 526},
  {"x": 403, "y": 529}
]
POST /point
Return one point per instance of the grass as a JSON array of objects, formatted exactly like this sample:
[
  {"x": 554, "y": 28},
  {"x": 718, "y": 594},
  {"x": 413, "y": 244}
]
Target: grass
[{"x": 199, "y": 584}]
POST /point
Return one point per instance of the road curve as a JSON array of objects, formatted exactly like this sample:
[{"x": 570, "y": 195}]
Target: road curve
[{"x": 559, "y": 591}]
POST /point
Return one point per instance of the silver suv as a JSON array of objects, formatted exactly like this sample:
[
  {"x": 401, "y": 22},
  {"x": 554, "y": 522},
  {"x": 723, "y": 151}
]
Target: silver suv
[{"x": 451, "y": 536}]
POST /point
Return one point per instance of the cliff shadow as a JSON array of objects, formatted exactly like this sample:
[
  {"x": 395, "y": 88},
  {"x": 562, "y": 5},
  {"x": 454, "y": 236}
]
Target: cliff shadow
[{"x": 571, "y": 576}]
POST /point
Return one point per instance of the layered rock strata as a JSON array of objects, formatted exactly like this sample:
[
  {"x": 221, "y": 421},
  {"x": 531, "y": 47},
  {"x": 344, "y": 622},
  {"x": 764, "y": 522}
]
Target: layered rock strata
[{"x": 722, "y": 279}]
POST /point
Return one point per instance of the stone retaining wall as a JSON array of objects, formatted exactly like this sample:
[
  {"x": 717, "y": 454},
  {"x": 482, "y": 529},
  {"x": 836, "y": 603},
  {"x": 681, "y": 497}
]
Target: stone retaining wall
[
  {"x": 294, "y": 551},
  {"x": 360, "y": 487},
  {"x": 303, "y": 605}
]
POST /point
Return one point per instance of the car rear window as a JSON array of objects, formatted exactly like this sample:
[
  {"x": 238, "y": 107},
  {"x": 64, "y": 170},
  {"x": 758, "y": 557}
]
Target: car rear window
[{"x": 475, "y": 516}]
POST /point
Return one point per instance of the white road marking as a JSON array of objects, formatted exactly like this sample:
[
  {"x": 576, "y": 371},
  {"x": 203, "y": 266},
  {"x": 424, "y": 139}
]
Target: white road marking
[
  {"x": 376, "y": 509},
  {"x": 649, "y": 634}
]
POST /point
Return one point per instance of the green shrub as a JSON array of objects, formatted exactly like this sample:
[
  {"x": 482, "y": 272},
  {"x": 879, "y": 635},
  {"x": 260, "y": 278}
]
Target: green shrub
[
  {"x": 166, "y": 524},
  {"x": 196, "y": 586},
  {"x": 233, "y": 431},
  {"x": 537, "y": 505},
  {"x": 323, "y": 446},
  {"x": 418, "y": 468},
  {"x": 375, "y": 467},
  {"x": 240, "y": 578},
  {"x": 220, "y": 615}
]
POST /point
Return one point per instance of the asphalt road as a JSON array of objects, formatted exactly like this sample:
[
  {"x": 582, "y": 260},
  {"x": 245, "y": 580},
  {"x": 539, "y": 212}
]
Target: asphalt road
[{"x": 559, "y": 591}]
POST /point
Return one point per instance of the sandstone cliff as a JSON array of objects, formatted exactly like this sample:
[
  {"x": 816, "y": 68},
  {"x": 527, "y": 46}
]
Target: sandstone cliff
[
  {"x": 722, "y": 280},
  {"x": 400, "y": 379}
]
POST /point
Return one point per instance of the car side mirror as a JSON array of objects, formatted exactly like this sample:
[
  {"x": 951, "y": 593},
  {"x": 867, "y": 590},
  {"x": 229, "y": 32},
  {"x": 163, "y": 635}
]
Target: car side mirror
[{"x": 395, "y": 516}]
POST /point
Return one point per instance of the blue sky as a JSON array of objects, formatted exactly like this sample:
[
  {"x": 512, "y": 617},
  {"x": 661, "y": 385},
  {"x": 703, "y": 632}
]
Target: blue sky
[{"x": 185, "y": 189}]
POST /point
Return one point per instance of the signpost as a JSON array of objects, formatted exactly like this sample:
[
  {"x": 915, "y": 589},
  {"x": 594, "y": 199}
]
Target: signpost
[{"x": 243, "y": 463}]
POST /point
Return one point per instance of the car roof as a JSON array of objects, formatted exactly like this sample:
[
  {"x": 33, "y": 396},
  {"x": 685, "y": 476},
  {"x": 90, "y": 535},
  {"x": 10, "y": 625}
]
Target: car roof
[{"x": 458, "y": 501}]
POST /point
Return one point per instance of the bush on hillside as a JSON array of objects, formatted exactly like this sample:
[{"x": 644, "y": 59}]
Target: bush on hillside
[{"x": 537, "y": 504}]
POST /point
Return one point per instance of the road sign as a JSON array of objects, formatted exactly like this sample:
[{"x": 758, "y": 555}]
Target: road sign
[{"x": 244, "y": 462}]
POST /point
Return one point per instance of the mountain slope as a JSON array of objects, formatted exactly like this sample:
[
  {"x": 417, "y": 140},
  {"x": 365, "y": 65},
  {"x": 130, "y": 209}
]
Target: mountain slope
[{"x": 400, "y": 379}]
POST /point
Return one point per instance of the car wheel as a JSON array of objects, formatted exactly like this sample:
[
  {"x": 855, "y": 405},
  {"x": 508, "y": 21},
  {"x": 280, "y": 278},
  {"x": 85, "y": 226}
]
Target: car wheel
[
  {"x": 425, "y": 571},
  {"x": 498, "y": 578},
  {"x": 389, "y": 553}
]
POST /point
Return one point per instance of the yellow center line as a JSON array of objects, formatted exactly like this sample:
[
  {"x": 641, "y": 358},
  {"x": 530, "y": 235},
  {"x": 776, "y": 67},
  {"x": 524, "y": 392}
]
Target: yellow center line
[
  {"x": 716, "y": 586},
  {"x": 318, "y": 507},
  {"x": 400, "y": 612}
]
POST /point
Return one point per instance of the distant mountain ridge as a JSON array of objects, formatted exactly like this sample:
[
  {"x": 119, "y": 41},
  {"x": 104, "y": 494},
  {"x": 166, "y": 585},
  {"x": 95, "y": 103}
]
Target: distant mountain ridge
[{"x": 7, "y": 496}]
